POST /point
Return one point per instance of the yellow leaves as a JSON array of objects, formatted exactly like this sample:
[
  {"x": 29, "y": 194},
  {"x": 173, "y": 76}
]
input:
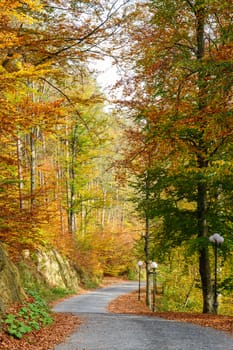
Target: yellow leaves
[
  {"x": 16, "y": 11},
  {"x": 222, "y": 167},
  {"x": 184, "y": 204},
  {"x": 8, "y": 6},
  {"x": 13, "y": 63},
  {"x": 23, "y": 18},
  {"x": 220, "y": 162},
  {"x": 31, "y": 71},
  {"x": 15, "y": 72},
  {"x": 34, "y": 4},
  {"x": 8, "y": 40}
]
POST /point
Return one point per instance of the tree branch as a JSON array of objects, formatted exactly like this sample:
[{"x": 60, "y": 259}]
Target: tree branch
[
  {"x": 72, "y": 104},
  {"x": 78, "y": 41},
  {"x": 191, "y": 6}
]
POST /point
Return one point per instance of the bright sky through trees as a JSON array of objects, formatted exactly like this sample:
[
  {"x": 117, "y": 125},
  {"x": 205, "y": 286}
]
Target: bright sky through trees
[{"x": 106, "y": 73}]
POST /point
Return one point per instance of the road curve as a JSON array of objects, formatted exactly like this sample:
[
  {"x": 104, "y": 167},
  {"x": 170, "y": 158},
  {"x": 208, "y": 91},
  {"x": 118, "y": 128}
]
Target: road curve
[
  {"x": 95, "y": 301},
  {"x": 101, "y": 330}
]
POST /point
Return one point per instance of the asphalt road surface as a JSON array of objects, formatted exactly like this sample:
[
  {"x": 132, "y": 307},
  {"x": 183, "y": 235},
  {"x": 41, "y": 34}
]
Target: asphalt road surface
[{"x": 101, "y": 330}]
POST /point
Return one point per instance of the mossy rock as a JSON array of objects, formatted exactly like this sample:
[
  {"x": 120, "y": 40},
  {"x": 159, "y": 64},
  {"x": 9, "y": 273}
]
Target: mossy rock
[{"x": 10, "y": 285}]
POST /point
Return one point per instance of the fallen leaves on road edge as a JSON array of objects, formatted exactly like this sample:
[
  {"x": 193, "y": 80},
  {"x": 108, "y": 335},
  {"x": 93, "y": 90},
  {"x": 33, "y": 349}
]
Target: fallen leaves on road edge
[
  {"x": 129, "y": 304},
  {"x": 66, "y": 324}
]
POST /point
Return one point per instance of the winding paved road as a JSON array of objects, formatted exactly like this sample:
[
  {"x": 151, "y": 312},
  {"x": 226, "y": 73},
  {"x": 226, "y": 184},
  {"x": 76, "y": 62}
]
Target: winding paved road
[{"x": 101, "y": 330}]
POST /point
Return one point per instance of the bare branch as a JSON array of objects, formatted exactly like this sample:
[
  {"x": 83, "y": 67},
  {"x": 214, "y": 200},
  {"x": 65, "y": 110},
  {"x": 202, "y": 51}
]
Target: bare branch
[
  {"x": 78, "y": 41},
  {"x": 71, "y": 103},
  {"x": 191, "y": 6}
]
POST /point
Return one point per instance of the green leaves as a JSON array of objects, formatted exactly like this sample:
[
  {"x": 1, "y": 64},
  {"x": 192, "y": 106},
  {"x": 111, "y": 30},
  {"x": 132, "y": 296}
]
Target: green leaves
[
  {"x": 16, "y": 327},
  {"x": 31, "y": 316}
]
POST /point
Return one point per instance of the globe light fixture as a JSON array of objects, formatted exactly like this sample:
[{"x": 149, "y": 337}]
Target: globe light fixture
[{"x": 154, "y": 265}]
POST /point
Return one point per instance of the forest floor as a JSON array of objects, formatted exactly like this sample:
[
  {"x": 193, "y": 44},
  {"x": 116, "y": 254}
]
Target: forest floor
[{"x": 66, "y": 324}]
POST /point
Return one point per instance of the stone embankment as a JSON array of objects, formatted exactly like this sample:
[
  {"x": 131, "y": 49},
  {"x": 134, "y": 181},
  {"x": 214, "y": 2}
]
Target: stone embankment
[{"x": 43, "y": 266}]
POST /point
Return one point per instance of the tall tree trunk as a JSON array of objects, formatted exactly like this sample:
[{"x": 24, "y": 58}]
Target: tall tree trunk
[
  {"x": 20, "y": 172},
  {"x": 202, "y": 156},
  {"x": 147, "y": 256},
  {"x": 147, "y": 240},
  {"x": 72, "y": 214},
  {"x": 72, "y": 181},
  {"x": 33, "y": 166},
  {"x": 82, "y": 218},
  {"x": 103, "y": 210},
  {"x": 204, "y": 264}
]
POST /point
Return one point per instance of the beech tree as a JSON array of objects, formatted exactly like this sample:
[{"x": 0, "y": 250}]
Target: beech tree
[{"x": 182, "y": 97}]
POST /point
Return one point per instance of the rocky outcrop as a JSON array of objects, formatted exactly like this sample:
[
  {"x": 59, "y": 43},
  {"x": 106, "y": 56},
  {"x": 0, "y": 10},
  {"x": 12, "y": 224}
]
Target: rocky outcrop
[
  {"x": 57, "y": 270},
  {"x": 10, "y": 285},
  {"x": 41, "y": 268}
]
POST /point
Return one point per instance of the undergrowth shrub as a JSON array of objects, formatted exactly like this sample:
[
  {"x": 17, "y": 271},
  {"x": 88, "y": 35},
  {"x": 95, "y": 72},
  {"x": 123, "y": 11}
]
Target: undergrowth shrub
[{"x": 32, "y": 315}]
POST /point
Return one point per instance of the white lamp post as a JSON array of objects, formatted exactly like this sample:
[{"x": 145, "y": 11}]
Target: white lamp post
[
  {"x": 140, "y": 263},
  {"x": 217, "y": 240},
  {"x": 154, "y": 266}
]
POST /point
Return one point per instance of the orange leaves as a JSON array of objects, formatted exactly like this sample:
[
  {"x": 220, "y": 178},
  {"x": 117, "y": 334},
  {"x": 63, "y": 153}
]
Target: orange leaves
[
  {"x": 46, "y": 338},
  {"x": 53, "y": 129},
  {"x": 108, "y": 252},
  {"x": 175, "y": 90}
]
